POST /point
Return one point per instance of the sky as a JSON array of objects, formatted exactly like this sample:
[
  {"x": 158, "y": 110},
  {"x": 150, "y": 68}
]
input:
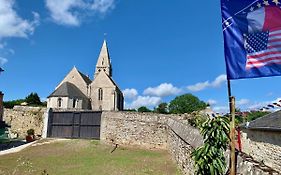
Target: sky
[{"x": 159, "y": 50}]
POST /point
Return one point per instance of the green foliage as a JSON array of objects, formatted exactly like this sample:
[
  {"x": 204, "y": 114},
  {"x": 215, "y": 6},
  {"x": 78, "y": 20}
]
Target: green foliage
[
  {"x": 197, "y": 120},
  {"x": 209, "y": 158},
  {"x": 143, "y": 109},
  {"x": 11, "y": 104},
  {"x": 186, "y": 104},
  {"x": 33, "y": 99},
  {"x": 162, "y": 108},
  {"x": 30, "y": 132},
  {"x": 4, "y": 135},
  {"x": 256, "y": 114}
]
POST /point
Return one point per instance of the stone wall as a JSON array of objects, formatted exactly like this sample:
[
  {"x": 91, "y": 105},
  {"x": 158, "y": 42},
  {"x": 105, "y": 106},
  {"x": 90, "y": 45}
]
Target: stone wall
[
  {"x": 134, "y": 129},
  {"x": 263, "y": 146},
  {"x": 22, "y": 118},
  {"x": 182, "y": 139}
]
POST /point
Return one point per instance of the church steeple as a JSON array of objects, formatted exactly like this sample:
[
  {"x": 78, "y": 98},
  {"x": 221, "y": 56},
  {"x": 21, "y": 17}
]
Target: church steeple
[{"x": 103, "y": 63}]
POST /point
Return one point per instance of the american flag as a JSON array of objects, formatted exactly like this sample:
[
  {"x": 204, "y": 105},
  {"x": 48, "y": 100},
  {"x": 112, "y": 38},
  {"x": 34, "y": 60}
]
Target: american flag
[{"x": 263, "y": 48}]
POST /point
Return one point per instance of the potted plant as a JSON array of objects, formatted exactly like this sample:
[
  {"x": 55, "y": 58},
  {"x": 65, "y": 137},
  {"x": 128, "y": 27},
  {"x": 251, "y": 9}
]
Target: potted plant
[{"x": 30, "y": 135}]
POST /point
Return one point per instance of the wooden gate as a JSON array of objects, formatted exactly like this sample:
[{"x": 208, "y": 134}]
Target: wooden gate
[{"x": 85, "y": 124}]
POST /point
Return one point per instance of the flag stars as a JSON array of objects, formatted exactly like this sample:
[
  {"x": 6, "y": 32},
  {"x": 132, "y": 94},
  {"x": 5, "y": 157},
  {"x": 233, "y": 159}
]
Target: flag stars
[
  {"x": 266, "y": 3},
  {"x": 276, "y": 2},
  {"x": 259, "y": 5},
  {"x": 252, "y": 9}
]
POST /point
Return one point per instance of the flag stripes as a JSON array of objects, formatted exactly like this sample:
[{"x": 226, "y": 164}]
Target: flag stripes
[{"x": 272, "y": 53}]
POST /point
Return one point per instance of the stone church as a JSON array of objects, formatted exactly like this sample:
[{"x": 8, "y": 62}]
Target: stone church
[{"x": 78, "y": 91}]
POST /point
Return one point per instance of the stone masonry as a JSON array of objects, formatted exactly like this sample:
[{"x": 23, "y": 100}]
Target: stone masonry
[{"x": 22, "y": 118}]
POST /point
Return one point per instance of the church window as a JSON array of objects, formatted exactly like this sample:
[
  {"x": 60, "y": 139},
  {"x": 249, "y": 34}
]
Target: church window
[
  {"x": 100, "y": 93},
  {"x": 102, "y": 61},
  {"x": 74, "y": 103},
  {"x": 59, "y": 102}
]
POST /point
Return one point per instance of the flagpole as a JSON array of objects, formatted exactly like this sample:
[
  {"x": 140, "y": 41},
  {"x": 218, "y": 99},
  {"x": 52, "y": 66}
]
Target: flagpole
[{"x": 232, "y": 129}]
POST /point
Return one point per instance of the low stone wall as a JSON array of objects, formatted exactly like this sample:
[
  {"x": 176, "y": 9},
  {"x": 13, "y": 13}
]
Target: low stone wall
[
  {"x": 134, "y": 129},
  {"x": 263, "y": 146},
  {"x": 182, "y": 139},
  {"x": 22, "y": 118}
]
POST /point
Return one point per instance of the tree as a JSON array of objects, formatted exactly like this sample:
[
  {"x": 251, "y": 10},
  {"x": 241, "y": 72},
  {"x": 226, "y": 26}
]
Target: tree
[
  {"x": 33, "y": 99},
  {"x": 162, "y": 108},
  {"x": 256, "y": 114},
  {"x": 209, "y": 158},
  {"x": 186, "y": 104},
  {"x": 143, "y": 109}
]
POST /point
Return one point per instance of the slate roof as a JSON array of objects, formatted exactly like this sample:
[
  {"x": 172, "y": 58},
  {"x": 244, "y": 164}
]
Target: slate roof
[
  {"x": 67, "y": 90},
  {"x": 270, "y": 122},
  {"x": 85, "y": 78}
]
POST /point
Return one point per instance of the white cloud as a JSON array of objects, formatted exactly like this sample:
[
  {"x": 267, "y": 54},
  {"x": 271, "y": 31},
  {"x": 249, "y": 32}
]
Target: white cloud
[
  {"x": 219, "y": 80},
  {"x": 221, "y": 109},
  {"x": 164, "y": 89},
  {"x": 62, "y": 11},
  {"x": 12, "y": 25},
  {"x": 144, "y": 101},
  {"x": 203, "y": 85},
  {"x": 3, "y": 61},
  {"x": 199, "y": 86},
  {"x": 212, "y": 102},
  {"x": 130, "y": 93},
  {"x": 103, "y": 6},
  {"x": 70, "y": 12},
  {"x": 242, "y": 102}
]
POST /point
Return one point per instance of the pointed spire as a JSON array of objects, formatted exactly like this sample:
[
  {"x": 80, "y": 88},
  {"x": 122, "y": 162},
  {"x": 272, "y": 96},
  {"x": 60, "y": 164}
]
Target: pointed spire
[{"x": 103, "y": 63}]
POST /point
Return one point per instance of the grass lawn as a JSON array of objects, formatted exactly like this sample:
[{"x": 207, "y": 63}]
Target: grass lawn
[{"x": 86, "y": 157}]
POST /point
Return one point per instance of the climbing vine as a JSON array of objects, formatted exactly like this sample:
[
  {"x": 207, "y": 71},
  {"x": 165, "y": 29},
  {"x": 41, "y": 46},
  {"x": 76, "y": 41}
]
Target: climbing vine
[{"x": 209, "y": 158}]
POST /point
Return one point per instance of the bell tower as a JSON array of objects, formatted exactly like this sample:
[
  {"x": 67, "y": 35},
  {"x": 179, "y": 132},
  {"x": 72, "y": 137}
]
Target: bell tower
[{"x": 103, "y": 63}]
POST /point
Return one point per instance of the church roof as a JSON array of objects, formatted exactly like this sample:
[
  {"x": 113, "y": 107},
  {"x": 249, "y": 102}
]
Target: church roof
[
  {"x": 67, "y": 89},
  {"x": 85, "y": 78}
]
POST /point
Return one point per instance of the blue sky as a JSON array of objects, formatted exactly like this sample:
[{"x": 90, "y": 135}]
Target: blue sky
[{"x": 159, "y": 49}]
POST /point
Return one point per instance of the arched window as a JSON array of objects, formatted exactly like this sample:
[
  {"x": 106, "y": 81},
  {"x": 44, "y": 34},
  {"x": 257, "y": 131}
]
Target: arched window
[
  {"x": 74, "y": 103},
  {"x": 59, "y": 102},
  {"x": 100, "y": 93}
]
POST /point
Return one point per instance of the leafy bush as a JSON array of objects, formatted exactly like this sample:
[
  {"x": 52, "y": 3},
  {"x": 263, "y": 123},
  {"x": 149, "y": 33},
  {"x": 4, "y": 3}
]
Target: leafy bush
[
  {"x": 30, "y": 132},
  {"x": 197, "y": 120},
  {"x": 143, "y": 109},
  {"x": 256, "y": 114},
  {"x": 162, "y": 108},
  {"x": 209, "y": 158},
  {"x": 11, "y": 104}
]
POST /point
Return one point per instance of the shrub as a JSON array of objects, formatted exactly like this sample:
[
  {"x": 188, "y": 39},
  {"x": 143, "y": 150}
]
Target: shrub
[
  {"x": 30, "y": 132},
  {"x": 209, "y": 158}
]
